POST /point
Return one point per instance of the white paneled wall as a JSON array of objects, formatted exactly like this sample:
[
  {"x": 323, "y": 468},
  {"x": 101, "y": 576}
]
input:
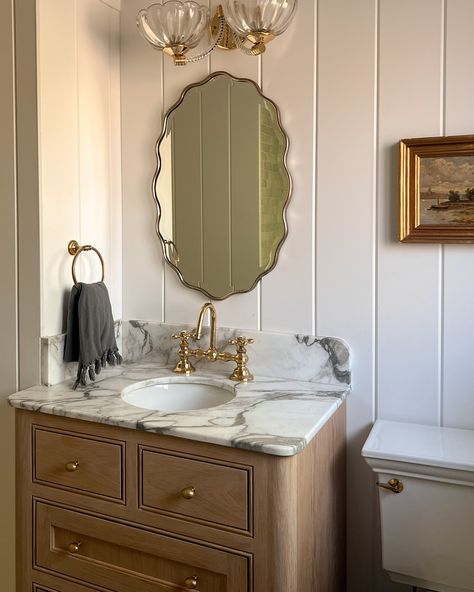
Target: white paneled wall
[
  {"x": 351, "y": 79},
  {"x": 79, "y": 145}
]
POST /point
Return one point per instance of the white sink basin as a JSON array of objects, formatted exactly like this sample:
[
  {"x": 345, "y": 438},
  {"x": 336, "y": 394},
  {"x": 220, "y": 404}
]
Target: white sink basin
[{"x": 177, "y": 394}]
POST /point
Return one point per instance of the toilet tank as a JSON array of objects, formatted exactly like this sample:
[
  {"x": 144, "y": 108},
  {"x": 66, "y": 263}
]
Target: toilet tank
[{"x": 428, "y": 528}]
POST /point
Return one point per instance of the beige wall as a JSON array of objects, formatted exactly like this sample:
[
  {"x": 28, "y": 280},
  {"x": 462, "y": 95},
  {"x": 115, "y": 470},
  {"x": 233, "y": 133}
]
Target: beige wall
[
  {"x": 19, "y": 247},
  {"x": 8, "y": 295},
  {"x": 351, "y": 79}
]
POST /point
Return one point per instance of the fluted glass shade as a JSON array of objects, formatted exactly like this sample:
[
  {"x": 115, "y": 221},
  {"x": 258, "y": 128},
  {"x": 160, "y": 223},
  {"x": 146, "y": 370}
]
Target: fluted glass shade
[
  {"x": 247, "y": 17},
  {"x": 175, "y": 24}
]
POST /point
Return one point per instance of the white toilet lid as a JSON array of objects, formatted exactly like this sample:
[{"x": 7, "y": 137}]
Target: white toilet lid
[{"x": 421, "y": 444}]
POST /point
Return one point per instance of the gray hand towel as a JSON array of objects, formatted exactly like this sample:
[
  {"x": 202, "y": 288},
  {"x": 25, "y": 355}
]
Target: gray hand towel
[{"x": 90, "y": 336}]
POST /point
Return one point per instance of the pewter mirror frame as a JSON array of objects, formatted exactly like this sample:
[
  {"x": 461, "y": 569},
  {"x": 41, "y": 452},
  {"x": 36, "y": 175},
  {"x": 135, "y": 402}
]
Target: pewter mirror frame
[{"x": 164, "y": 241}]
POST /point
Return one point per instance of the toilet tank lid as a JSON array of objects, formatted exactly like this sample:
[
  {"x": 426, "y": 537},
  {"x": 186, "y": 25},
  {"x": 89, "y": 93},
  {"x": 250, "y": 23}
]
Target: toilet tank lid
[{"x": 421, "y": 444}]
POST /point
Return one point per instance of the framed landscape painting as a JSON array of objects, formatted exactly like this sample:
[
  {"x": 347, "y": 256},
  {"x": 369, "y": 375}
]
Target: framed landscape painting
[{"x": 437, "y": 190}]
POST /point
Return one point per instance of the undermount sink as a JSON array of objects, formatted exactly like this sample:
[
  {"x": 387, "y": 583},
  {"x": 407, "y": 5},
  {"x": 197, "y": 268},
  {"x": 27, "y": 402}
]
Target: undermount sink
[{"x": 177, "y": 394}]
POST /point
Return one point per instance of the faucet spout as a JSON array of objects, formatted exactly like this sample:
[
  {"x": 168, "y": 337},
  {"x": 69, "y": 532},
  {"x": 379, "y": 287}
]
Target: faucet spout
[{"x": 213, "y": 316}]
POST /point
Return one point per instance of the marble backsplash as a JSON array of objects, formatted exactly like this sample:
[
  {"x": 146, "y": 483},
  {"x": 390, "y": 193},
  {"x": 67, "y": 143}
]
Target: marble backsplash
[
  {"x": 299, "y": 357},
  {"x": 53, "y": 369}
]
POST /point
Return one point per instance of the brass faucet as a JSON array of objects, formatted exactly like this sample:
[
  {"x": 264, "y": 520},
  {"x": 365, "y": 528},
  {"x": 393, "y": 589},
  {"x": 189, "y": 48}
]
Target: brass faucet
[
  {"x": 241, "y": 373},
  {"x": 212, "y": 351}
]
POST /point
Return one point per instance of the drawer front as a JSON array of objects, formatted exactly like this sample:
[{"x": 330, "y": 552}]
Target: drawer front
[
  {"x": 128, "y": 559},
  {"x": 64, "y": 587},
  {"x": 207, "y": 491},
  {"x": 79, "y": 463}
]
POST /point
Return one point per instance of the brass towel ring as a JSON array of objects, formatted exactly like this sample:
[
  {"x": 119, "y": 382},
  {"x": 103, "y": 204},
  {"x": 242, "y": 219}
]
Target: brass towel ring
[{"x": 75, "y": 249}]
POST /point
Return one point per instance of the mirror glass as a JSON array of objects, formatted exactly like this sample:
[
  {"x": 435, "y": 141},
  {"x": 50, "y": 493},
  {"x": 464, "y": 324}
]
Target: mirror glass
[{"x": 222, "y": 186}]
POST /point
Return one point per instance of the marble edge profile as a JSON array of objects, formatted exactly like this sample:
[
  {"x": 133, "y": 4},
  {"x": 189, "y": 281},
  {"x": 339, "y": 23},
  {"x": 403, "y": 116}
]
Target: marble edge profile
[{"x": 290, "y": 447}]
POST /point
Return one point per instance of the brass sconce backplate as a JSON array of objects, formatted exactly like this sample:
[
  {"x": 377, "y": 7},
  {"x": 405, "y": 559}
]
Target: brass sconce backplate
[{"x": 227, "y": 41}]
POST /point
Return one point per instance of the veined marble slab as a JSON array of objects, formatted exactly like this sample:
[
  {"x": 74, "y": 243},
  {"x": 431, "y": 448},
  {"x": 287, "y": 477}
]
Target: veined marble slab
[
  {"x": 296, "y": 357},
  {"x": 280, "y": 355},
  {"x": 271, "y": 415}
]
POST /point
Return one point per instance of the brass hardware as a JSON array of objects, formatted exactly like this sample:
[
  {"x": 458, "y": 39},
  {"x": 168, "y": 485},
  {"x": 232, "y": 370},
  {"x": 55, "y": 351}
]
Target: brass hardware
[
  {"x": 230, "y": 40},
  {"x": 173, "y": 251},
  {"x": 72, "y": 466},
  {"x": 227, "y": 40},
  {"x": 188, "y": 492},
  {"x": 212, "y": 311},
  {"x": 240, "y": 374},
  {"x": 191, "y": 583},
  {"x": 75, "y": 249},
  {"x": 184, "y": 366},
  {"x": 74, "y": 547},
  {"x": 394, "y": 485}
]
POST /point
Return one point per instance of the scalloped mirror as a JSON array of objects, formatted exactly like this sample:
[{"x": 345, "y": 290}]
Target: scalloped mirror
[{"x": 222, "y": 186}]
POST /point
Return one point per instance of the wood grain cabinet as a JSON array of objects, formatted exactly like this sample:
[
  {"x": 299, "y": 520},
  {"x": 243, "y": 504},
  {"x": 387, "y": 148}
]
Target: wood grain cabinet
[{"x": 105, "y": 509}]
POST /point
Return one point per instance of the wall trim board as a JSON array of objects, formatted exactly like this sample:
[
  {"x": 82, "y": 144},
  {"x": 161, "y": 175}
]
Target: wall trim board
[
  {"x": 8, "y": 295},
  {"x": 29, "y": 292},
  {"x": 117, "y": 4}
]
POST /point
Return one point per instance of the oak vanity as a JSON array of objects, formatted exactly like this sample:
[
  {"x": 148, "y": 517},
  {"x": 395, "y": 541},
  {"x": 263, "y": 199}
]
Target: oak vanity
[{"x": 248, "y": 496}]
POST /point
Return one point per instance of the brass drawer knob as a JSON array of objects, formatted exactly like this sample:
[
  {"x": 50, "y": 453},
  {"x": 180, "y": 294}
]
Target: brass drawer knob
[
  {"x": 74, "y": 547},
  {"x": 72, "y": 466},
  {"x": 188, "y": 493},
  {"x": 394, "y": 485},
  {"x": 191, "y": 583}
]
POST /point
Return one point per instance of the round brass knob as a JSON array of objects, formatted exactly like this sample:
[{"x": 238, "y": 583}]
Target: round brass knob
[
  {"x": 72, "y": 466},
  {"x": 191, "y": 583},
  {"x": 74, "y": 547},
  {"x": 188, "y": 493}
]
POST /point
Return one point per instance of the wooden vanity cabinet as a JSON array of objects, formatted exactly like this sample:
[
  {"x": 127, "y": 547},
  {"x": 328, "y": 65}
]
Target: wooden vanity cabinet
[{"x": 109, "y": 509}]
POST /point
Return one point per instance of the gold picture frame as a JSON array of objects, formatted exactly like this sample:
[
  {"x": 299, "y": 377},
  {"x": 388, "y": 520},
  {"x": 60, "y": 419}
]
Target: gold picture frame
[{"x": 437, "y": 189}]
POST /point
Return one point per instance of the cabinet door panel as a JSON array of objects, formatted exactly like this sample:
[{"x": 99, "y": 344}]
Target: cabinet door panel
[{"x": 126, "y": 559}]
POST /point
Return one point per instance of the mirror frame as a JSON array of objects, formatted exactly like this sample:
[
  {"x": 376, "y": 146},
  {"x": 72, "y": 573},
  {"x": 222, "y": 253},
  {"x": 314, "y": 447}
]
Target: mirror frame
[{"x": 165, "y": 242}]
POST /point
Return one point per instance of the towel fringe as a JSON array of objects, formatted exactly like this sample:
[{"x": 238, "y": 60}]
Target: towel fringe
[{"x": 110, "y": 357}]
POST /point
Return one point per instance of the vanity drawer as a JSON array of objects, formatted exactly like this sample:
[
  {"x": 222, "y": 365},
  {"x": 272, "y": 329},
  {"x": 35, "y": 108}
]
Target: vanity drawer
[
  {"x": 63, "y": 587},
  {"x": 128, "y": 559},
  {"x": 79, "y": 463},
  {"x": 199, "y": 489}
]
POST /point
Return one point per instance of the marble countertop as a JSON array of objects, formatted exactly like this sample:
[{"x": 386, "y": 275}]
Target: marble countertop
[{"x": 272, "y": 415}]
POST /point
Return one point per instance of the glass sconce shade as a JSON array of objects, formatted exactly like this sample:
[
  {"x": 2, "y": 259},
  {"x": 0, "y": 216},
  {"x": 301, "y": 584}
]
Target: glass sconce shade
[
  {"x": 267, "y": 17},
  {"x": 174, "y": 25}
]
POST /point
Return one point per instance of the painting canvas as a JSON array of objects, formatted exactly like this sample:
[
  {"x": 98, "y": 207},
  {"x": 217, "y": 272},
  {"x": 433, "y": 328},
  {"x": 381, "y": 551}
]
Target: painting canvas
[
  {"x": 447, "y": 190},
  {"x": 437, "y": 189}
]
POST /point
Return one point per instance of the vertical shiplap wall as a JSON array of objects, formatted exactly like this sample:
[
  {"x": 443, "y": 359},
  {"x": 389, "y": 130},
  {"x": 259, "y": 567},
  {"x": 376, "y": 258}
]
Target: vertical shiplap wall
[
  {"x": 79, "y": 147},
  {"x": 8, "y": 293},
  {"x": 351, "y": 79},
  {"x": 457, "y": 393}
]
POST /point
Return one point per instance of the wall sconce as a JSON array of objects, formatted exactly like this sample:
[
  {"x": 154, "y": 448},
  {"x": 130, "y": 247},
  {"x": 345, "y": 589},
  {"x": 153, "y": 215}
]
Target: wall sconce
[{"x": 176, "y": 26}]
